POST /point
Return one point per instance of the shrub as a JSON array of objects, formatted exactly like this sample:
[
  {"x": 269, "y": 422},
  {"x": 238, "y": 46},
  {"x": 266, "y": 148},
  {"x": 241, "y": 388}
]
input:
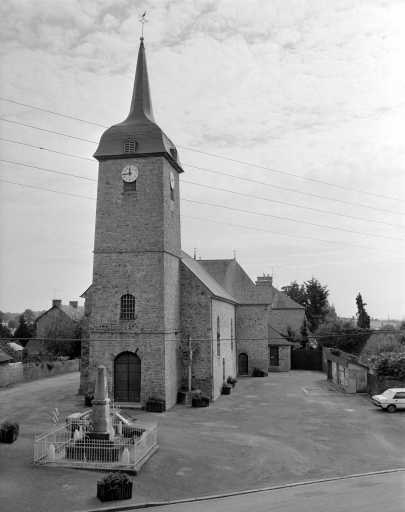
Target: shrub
[
  {"x": 113, "y": 481},
  {"x": 226, "y": 385},
  {"x": 198, "y": 394},
  {"x": 8, "y": 426},
  {"x": 156, "y": 400},
  {"x": 389, "y": 364},
  {"x": 231, "y": 380}
]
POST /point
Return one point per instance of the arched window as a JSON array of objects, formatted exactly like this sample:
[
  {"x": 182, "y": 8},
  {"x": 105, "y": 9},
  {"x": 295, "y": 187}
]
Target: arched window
[
  {"x": 218, "y": 336},
  {"x": 129, "y": 146},
  {"x": 127, "y": 307},
  {"x": 231, "y": 334}
]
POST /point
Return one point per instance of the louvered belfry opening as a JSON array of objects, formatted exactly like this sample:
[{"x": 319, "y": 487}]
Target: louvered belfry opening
[{"x": 129, "y": 146}]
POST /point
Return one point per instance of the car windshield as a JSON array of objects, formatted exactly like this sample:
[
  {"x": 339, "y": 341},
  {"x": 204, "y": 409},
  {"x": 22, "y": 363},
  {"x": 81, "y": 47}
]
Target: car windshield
[{"x": 388, "y": 394}]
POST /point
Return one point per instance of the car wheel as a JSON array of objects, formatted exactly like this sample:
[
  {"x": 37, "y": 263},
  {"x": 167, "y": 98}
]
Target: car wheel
[{"x": 391, "y": 408}]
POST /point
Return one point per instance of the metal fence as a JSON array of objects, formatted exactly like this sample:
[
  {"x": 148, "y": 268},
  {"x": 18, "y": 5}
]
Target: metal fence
[{"x": 67, "y": 446}]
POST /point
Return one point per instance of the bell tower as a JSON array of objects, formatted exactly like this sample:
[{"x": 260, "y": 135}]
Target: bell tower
[{"x": 135, "y": 312}]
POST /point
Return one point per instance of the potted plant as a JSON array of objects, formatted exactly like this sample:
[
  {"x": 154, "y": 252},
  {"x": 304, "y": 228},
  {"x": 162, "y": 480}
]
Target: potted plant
[
  {"x": 199, "y": 399},
  {"x": 115, "y": 486},
  {"x": 226, "y": 388},
  {"x": 258, "y": 373},
  {"x": 88, "y": 398},
  {"x": 231, "y": 380},
  {"x": 9, "y": 432},
  {"x": 155, "y": 404}
]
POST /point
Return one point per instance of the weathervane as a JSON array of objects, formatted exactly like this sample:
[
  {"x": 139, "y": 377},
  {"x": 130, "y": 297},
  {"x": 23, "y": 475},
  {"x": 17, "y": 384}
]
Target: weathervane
[{"x": 143, "y": 21}]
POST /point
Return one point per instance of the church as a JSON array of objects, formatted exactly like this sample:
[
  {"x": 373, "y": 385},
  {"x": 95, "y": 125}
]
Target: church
[{"x": 150, "y": 301}]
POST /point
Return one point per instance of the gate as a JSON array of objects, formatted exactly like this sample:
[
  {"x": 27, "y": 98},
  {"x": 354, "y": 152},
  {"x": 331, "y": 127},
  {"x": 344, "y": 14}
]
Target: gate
[
  {"x": 303, "y": 359},
  {"x": 127, "y": 378}
]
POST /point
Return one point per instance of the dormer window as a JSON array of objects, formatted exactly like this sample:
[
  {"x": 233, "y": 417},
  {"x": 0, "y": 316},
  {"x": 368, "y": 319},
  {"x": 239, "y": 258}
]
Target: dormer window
[
  {"x": 173, "y": 152},
  {"x": 129, "y": 146}
]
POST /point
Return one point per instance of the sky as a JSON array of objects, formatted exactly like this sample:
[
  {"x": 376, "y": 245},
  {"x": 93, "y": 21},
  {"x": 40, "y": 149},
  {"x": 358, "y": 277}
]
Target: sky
[{"x": 287, "y": 115}]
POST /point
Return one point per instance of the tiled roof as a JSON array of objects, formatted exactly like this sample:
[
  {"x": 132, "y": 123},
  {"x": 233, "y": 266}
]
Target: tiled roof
[
  {"x": 4, "y": 357},
  {"x": 70, "y": 311},
  {"x": 213, "y": 286}
]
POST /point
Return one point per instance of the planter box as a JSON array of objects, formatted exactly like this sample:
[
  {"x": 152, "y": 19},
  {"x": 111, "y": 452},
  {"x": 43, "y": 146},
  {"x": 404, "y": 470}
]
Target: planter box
[
  {"x": 8, "y": 436},
  {"x": 123, "y": 493},
  {"x": 200, "y": 402},
  {"x": 153, "y": 407},
  {"x": 88, "y": 401},
  {"x": 226, "y": 391},
  {"x": 259, "y": 373}
]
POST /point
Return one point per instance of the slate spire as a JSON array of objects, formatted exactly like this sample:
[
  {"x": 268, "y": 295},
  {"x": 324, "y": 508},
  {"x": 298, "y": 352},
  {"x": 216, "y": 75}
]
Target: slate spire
[
  {"x": 141, "y": 104},
  {"x": 139, "y": 127}
]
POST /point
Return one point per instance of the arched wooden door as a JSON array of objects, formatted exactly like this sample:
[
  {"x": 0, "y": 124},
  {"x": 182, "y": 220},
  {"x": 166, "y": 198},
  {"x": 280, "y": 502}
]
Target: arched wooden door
[
  {"x": 127, "y": 378},
  {"x": 242, "y": 364}
]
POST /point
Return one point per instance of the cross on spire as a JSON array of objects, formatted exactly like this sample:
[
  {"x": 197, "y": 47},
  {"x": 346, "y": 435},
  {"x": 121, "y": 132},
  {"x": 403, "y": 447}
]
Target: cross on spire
[{"x": 143, "y": 21}]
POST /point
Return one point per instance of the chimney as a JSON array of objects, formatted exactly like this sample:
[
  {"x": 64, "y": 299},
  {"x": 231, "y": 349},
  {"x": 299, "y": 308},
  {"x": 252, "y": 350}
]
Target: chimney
[
  {"x": 56, "y": 302},
  {"x": 73, "y": 303},
  {"x": 265, "y": 280}
]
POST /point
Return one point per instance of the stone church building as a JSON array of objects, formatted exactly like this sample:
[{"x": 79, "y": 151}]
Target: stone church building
[{"x": 148, "y": 296}]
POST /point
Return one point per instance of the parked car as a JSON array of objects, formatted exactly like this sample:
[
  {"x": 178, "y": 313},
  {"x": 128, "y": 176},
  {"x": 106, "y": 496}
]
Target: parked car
[
  {"x": 391, "y": 400},
  {"x": 129, "y": 426}
]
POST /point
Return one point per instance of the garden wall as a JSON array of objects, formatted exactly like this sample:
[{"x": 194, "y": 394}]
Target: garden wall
[
  {"x": 377, "y": 385},
  {"x": 17, "y": 372}
]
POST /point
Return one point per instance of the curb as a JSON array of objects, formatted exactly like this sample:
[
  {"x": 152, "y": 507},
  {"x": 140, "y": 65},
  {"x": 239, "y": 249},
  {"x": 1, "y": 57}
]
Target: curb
[{"x": 137, "y": 506}]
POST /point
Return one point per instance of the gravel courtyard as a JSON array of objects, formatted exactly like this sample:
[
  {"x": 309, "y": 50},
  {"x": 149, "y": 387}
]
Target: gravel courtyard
[{"x": 284, "y": 428}]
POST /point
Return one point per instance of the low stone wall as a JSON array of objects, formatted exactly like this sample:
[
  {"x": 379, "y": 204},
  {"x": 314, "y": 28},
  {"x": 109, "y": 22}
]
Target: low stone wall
[
  {"x": 377, "y": 385},
  {"x": 17, "y": 372}
]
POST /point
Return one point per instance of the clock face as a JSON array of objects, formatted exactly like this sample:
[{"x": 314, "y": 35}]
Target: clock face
[
  {"x": 172, "y": 181},
  {"x": 129, "y": 173}
]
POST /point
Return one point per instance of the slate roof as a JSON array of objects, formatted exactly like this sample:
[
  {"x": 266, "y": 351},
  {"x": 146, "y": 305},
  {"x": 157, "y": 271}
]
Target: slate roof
[
  {"x": 213, "y": 286},
  {"x": 139, "y": 126},
  {"x": 73, "y": 313},
  {"x": 275, "y": 338},
  {"x": 4, "y": 358},
  {"x": 234, "y": 279}
]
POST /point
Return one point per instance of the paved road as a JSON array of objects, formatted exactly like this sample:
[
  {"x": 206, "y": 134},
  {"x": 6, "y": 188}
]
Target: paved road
[
  {"x": 383, "y": 492},
  {"x": 376, "y": 493},
  {"x": 281, "y": 429}
]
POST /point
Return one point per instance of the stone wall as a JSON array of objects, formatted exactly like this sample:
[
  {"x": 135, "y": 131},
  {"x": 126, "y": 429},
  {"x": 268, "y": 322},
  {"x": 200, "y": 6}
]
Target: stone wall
[
  {"x": 224, "y": 359},
  {"x": 195, "y": 312},
  {"x": 252, "y": 335},
  {"x": 17, "y": 372},
  {"x": 377, "y": 385},
  {"x": 284, "y": 356},
  {"x": 281, "y": 319}
]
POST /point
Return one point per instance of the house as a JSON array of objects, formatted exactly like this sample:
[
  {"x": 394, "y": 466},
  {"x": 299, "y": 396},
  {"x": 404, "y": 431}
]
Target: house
[
  {"x": 5, "y": 358},
  {"x": 59, "y": 318},
  {"x": 151, "y": 305}
]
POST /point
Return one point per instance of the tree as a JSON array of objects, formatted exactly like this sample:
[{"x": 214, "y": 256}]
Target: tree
[
  {"x": 63, "y": 339},
  {"x": 317, "y": 303},
  {"x": 363, "y": 319},
  {"x": 5, "y": 332},
  {"x": 24, "y": 330},
  {"x": 29, "y": 316},
  {"x": 12, "y": 324},
  {"x": 313, "y": 296},
  {"x": 343, "y": 335},
  {"x": 296, "y": 292}
]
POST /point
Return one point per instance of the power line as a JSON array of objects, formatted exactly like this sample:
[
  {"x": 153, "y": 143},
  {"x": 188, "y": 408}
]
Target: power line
[
  {"x": 225, "y": 223},
  {"x": 264, "y": 199},
  {"x": 229, "y": 208},
  {"x": 198, "y": 184},
  {"x": 288, "y": 234},
  {"x": 207, "y": 186},
  {"x": 216, "y": 156},
  {"x": 291, "y": 220}
]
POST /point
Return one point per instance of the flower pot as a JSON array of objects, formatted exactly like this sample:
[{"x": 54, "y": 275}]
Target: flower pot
[
  {"x": 123, "y": 492},
  {"x": 88, "y": 401},
  {"x": 200, "y": 402},
  {"x": 8, "y": 436},
  {"x": 155, "y": 407},
  {"x": 226, "y": 391}
]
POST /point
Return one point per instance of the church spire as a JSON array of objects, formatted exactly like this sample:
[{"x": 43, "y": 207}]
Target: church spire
[
  {"x": 138, "y": 135},
  {"x": 141, "y": 104}
]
